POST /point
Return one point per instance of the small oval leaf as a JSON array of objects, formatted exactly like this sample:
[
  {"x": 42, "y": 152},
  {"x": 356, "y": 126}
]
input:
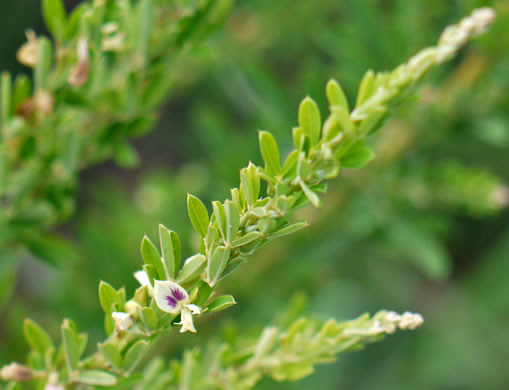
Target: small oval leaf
[
  {"x": 310, "y": 120},
  {"x": 221, "y": 303},
  {"x": 198, "y": 214}
]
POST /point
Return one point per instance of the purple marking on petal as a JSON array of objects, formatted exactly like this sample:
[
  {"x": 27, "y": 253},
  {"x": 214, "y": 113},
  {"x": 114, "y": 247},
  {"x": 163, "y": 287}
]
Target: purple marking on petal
[
  {"x": 171, "y": 301},
  {"x": 177, "y": 294}
]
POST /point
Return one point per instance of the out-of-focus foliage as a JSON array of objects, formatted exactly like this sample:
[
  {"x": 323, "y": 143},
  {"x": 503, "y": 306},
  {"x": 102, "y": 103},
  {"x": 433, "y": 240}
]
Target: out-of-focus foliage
[
  {"x": 426, "y": 232},
  {"x": 97, "y": 84}
]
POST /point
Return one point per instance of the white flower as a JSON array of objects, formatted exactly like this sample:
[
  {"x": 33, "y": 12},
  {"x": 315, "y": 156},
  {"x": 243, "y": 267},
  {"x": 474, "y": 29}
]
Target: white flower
[
  {"x": 172, "y": 298},
  {"x": 142, "y": 278},
  {"x": 410, "y": 321},
  {"x": 123, "y": 321},
  {"x": 386, "y": 322}
]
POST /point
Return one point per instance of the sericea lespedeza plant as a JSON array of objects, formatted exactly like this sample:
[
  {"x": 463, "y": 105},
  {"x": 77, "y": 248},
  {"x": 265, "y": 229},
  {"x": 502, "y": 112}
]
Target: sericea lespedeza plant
[
  {"x": 174, "y": 293},
  {"x": 95, "y": 86}
]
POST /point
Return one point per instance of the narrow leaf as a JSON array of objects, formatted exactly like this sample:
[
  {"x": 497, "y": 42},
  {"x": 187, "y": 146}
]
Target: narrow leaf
[
  {"x": 335, "y": 95},
  {"x": 149, "y": 318},
  {"x": 111, "y": 354},
  {"x": 134, "y": 354},
  {"x": 71, "y": 346},
  {"x": 4, "y": 169},
  {"x": 270, "y": 152},
  {"x": 217, "y": 264},
  {"x": 366, "y": 87},
  {"x": 312, "y": 197},
  {"x": 357, "y": 157},
  {"x": 96, "y": 378},
  {"x": 145, "y": 18},
  {"x": 108, "y": 296},
  {"x": 221, "y": 303},
  {"x": 246, "y": 239},
  {"x": 220, "y": 218},
  {"x": 310, "y": 120},
  {"x": 232, "y": 220},
  {"x": 151, "y": 256},
  {"x": 343, "y": 118},
  {"x": 53, "y": 12},
  {"x": 37, "y": 337},
  {"x": 5, "y": 97},
  {"x": 295, "y": 227},
  {"x": 170, "y": 248},
  {"x": 44, "y": 61},
  {"x": 198, "y": 214},
  {"x": 192, "y": 268}
]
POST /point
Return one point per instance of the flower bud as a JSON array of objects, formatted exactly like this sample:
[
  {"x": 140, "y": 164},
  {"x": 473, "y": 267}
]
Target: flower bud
[
  {"x": 410, "y": 321},
  {"x": 16, "y": 372},
  {"x": 79, "y": 73},
  {"x": 27, "y": 54},
  {"x": 123, "y": 321},
  {"x": 131, "y": 307}
]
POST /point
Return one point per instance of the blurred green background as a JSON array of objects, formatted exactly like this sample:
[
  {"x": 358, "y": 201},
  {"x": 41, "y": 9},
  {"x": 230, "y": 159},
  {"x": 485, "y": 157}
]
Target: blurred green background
[{"x": 424, "y": 228}]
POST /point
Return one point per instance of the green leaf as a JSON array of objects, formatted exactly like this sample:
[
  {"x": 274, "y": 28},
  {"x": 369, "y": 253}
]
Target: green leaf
[
  {"x": 198, "y": 214},
  {"x": 5, "y": 97},
  {"x": 357, "y": 157},
  {"x": 335, "y": 95},
  {"x": 37, "y": 337},
  {"x": 170, "y": 248},
  {"x": 151, "y": 256},
  {"x": 310, "y": 120},
  {"x": 293, "y": 228},
  {"x": 366, "y": 88},
  {"x": 246, "y": 239},
  {"x": 204, "y": 292},
  {"x": 125, "y": 155},
  {"x": 290, "y": 163},
  {"x": 75, "y": 20},
  {"x": 108, "y": 296},
  {"x": 220, "y": 218},
  {"x": 111, "y": 354},
  {"x": 299, "y": 138},
  {"x": 149, "y": 318},
  {"x": 4, "y": 170},
  {"x": 96, "y": 378},
  {"x": 293, "y": 371},
  {"x": 221, "y": 303},
  {"x": 343, "y": 118},
  {"x": 54, "y": 15},
  {"x": 145, "y": 18},
  {"x": 270, "y": 152},
  {"x": 50, "y": 248},
  {"x": 71, "y": 345},
  {"x": 373, "y": 121},
  {"x": 250, "y": 183},
  {"x": 151, "y": 272},
  {"x": 232, "y": 213},
  {"x": 193, "y": 266},
  {"x": 217, "y": 264},
  {"x": 134, "y": 354},
  {"x": 44, "y": 61},
  {"x": 312, "y": 197}
]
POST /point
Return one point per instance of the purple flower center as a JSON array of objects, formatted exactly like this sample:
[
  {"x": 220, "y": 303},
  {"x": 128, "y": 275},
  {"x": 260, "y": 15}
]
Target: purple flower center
[
  {"x": 171, "y": 301},
  {"x": 177, "y": 294}
]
